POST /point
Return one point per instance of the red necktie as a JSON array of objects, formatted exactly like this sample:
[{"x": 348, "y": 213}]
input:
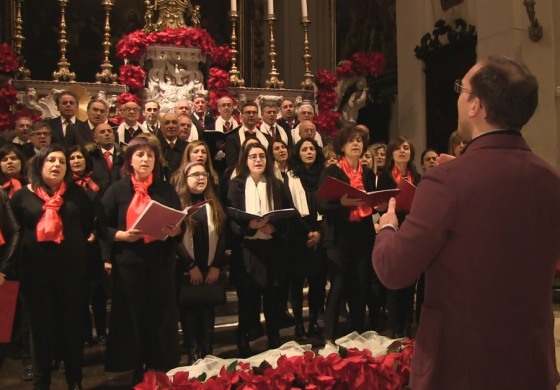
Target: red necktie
[
  {"x": 107, "y": 155},
  {"x": 171, "y": 145},
  {"x": 273, "y": 131},
  {"x": 228, "y": 125}
]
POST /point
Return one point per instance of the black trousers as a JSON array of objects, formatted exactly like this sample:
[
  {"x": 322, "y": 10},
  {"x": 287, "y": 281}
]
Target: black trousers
[
  {"x": 249, "y": 296},
  {"x": 350, "y": 274},
  {"x": 263, "y": 271},
  {"x": 309, "y": 265},
  {"x": 199, "y": 323},
  {"x": 400, "y": 306},
  {"x": 55, "y": 308},
  {"x": 143, "y": 324}
]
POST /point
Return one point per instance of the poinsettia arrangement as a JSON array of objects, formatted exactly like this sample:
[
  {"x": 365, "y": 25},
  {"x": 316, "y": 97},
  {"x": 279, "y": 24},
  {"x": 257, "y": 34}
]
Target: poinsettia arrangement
[
  {"x": 361, "y": 64},
  {"x": 9, "y": 64},
  {"x": 134, "y": 45},
  {"x": 347, "y": 369},
  {"x": 8, "y": 59},
  {"x": 132, "y": 76}
]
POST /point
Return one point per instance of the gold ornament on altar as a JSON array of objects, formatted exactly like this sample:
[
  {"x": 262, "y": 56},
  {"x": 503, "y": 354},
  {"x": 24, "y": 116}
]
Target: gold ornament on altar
[
  {"x": 63, "y": 73},
  {"x": 106, "y": 75},
  {"x": 170, "y": 14}
]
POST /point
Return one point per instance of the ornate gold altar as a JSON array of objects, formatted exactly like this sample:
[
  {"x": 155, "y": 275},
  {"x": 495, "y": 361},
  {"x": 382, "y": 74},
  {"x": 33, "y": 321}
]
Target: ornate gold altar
[{"x": 172, "y": 72}]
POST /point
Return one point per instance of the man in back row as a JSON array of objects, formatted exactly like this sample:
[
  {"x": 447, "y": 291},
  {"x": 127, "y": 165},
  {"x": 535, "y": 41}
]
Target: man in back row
[{"x": 485, "y": 229}]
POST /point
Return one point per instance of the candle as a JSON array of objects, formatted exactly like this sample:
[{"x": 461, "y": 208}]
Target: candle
[
  {"x": 304, "y": 8},
  {"x": 271, "y": 7},
  {"x": 234, "y": 5}
]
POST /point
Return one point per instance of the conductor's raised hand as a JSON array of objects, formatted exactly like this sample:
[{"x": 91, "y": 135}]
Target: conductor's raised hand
[{"x": 390, "y": 217}]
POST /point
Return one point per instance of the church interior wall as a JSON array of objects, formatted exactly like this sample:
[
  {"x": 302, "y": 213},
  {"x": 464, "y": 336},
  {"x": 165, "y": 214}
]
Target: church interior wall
[{"x": 502, "y": 29}]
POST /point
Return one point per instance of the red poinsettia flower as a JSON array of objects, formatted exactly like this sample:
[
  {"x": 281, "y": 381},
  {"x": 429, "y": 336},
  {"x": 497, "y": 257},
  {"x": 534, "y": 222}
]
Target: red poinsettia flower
[
  {"x": 221, "y": 56},
  {"x": 8, "y": 96},
  {"x": 126, "y": 97},
  {"x": 368, "y": 63},
  {"x": 326, "y": 122},
  {"x": 7, "y": 121},
  {"x": 35, "y": 116},
  {"x": 115, "y": 121},
  {"x": 326, "y": 79},
  {"x": 132, "y": 76},
  {"x": 219, "y": 79},
  {"x": 344, "y": 69},
  {"x": 8, "y": 59},
  {"x": 132, "y": 46},
  {"x": 326, "y": 99}
]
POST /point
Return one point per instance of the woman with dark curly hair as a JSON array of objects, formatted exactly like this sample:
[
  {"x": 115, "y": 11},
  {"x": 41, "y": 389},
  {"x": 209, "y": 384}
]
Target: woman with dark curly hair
[{"x": 348, "y": 233}]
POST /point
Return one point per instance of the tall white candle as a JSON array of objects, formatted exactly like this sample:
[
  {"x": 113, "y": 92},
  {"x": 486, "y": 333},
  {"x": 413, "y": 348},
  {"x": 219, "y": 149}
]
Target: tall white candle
[
  {"x": 304, "y": 8},
  {"x": 234, "y": 5},
  {"x": 271, "y": 7}
]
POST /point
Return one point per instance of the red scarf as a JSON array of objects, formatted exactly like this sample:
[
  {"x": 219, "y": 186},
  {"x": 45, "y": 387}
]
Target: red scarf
[
  {"x": 139, "y": 202},
  {"x": 11, "y": 186},
  {"x": 357, "y": 213},
  {"x": 84, "y": 181},
  {"x": 49, "y": 227},
  {"x": 397, "y": 176}
]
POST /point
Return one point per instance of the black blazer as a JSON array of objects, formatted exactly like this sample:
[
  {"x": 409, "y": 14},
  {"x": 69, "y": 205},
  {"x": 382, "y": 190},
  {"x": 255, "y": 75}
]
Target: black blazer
[
  {"x": 208, "y": 125},
  {"x": 173, "y": 156},
  {"x": 11, "y": 233},
  {"x": 57, "y": 137},
  {"x": 236, "y": 198},
  {"x": 282, "y": 122},
  {"x": 101, "y": 173},
  {"x": 233, "y": 145},
  {"x": 339, "y": 231},
  {"x": 82, "y": 132},
  {"x": 114, "y": 207}
]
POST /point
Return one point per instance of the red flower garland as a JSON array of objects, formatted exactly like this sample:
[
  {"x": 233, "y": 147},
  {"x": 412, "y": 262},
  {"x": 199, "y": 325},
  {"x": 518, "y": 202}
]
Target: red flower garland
[
  {"x": 132, "y": 76},
  {"x": 351, "y": 369},
  {"x": 134, "y": 45},
  {"x": 8, "y": 59},
  {"x": 327, "y": 118},
  {"x": 361, "y": 64},
  {"x": 8, "y": 96},
  {"x": 9, "y": 64},
  {"x": 126, "y": 97}
]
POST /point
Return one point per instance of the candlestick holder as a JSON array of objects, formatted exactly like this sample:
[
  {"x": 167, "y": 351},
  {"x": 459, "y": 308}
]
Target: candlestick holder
[
  {"x": 106, "y": 75},
  {"x": 22, "y": 72},
  {"x": 63, "y": 73},
  {"x": 307, "y": 82},
  {"x": 234, "y": 74},
  {"x": 273, "y": 77}
]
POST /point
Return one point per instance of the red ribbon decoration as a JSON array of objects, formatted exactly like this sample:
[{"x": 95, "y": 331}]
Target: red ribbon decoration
[
  {"x": 49, "y": 227},
  {"x": 85, "y": 181},
  {"x": 356, "y": 181},
  {"x": 139, "y": 202}
]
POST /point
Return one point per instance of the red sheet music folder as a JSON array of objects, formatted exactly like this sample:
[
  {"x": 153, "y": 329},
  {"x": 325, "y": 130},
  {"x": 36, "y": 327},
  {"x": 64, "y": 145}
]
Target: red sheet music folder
[
  {"x": 8, "y": 299},
  {"x": 405, "y": 197},
  {"x": 334, "y": 189}
]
